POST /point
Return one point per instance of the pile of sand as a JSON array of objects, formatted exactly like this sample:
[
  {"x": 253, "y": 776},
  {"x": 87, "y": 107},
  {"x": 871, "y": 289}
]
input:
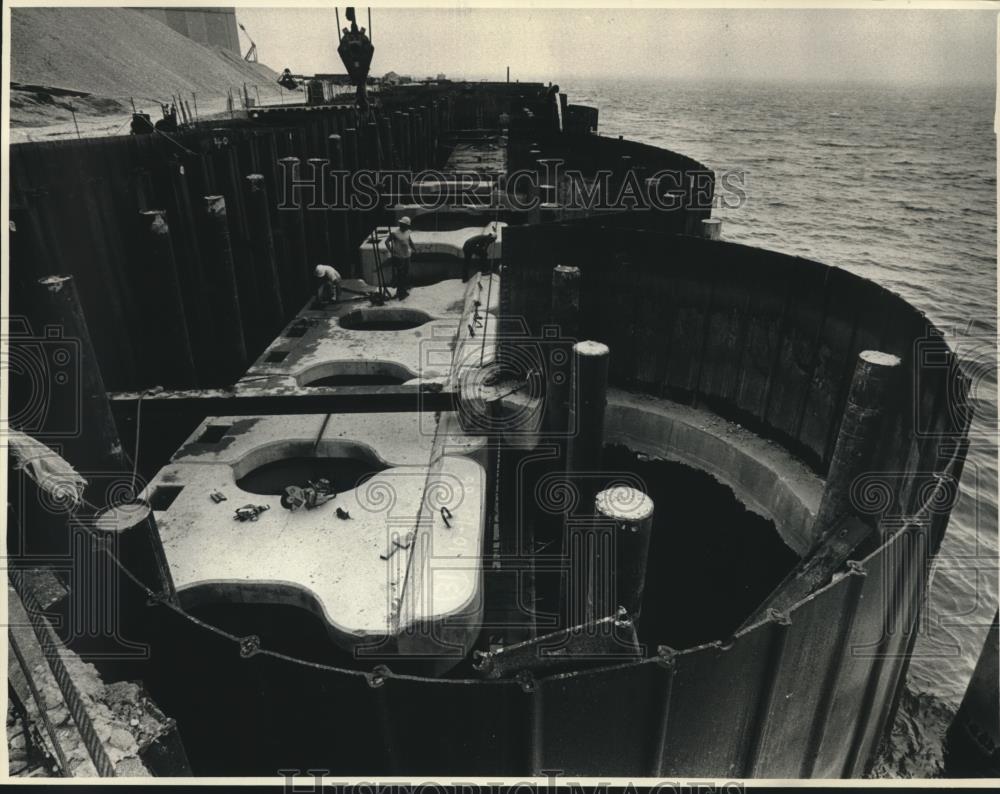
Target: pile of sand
[{"x": 116, "y": 54}]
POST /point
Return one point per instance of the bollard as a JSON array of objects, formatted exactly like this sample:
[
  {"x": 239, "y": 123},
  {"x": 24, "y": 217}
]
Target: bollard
[
  {"x": 837, "y": 530},
  {"x": 711, "y": 228},
  {"x": 262, "y": 246},
  {"x": 91, "y": 442},
  {"x": 129, "y": 558},
  {"x": 868, "y": 399},
  {"x": 220, "y": 274},
  {"x": 587, "y": 401},
  {"x": 566, "y": 318},
  {"x": 135, "y": 540},
  {"x": 623, "y": 524},
  {"x": 165, "y": 307}
]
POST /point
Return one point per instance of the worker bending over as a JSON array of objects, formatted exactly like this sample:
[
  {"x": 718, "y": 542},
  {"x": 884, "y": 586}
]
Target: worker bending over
[
  {"x": 479, "y": 247},
  {"x": 329, "y": 285},
  {"x": 401, "y": 248}
]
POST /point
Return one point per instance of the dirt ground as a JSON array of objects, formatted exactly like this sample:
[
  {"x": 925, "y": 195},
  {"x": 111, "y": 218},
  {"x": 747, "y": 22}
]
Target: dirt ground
[{"x": 95, "y": 62}]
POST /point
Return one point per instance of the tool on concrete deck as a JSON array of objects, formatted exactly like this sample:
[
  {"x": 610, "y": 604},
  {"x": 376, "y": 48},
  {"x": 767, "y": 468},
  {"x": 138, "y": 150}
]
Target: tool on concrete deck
[
  {"x": 396, "y": 546},
  {"x": 342, "y": 514},
  {"x": 382, "y": 294},
  {"x": 217, "y": 496},
  {"x": 310, "y": 497},
  {"x": 249, "y": 512}
]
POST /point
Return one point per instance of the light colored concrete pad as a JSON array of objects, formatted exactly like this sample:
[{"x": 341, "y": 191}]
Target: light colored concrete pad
[
  {"x": 439, "y": 253},
  {"x": 763, "y": 475},
  {"x": 322, "y": 346},
  {"x": 314, "y": 559}
]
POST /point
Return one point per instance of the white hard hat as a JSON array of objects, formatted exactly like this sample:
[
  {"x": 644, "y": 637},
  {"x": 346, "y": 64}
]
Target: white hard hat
[
  {"x": 319, "y": 270},
  {"x": 404, "y": 221}
]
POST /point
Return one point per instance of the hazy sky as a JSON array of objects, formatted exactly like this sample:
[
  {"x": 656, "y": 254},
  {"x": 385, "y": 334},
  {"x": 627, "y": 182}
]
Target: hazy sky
[{"x": 551, "y": 44}]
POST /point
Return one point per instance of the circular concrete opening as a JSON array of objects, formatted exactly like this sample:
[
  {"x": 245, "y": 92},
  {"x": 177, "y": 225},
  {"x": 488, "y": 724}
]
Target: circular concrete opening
[
  {"x": 384, "y": 319},
  {"x": 355, "y": 373},
  {"x": 344, "y": 473}
]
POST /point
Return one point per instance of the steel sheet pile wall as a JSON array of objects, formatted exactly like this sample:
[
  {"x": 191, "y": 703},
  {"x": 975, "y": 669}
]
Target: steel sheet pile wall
[
  {"x": 590, "y": 155},
  {"x": 184, "y": 301},
  {"x": 804, "y": 694}
]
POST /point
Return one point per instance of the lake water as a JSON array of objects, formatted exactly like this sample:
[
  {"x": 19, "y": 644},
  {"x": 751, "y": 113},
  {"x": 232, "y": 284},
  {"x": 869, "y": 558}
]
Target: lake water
[{"x": 896, "y": 184}]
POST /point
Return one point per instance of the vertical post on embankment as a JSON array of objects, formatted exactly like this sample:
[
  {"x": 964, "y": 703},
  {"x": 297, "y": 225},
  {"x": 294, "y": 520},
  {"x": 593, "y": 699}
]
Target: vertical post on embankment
[
  {"x": 294, "y": 275},
  {"x": 587, "y": 402},
  {"x": 399, "y": 137},
  {"x": 355, "y": 221},
  {"x": 867, "y": 402},
  {"x": 389, "y": 159},
  {"x": 81, "y": 406},
  {"x": 262, "y": 244},
  {"x": 373, "y": 146},
  {"x": 566, "y": 319},
  {"x": 318, "y": 216},
  {"x": 623, "y": 525},
  {"x": 711, "y": 228},
  {"x": 340, "y": 231},
  {"x": 221, "y": 275},
  {"x": 171, "y": 329}
]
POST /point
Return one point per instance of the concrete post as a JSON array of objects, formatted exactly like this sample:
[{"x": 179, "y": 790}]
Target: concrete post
[
  {"x": 262, "y": 242},
  {"x": 137, "y": 545},
  {"x": 566, "y": 317},
  {"x": 867, "y": 401},
  {"x": 588, "y": 398},
  {"x": 623, "y": 523},
  {"x": 169, "y": 323},
  {"x": 711, "y": 228},
  {"x": 91, "y": 442},
  {"x": 224, "y": 295}
]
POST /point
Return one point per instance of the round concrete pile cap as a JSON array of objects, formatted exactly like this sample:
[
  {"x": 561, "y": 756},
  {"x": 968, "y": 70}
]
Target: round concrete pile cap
[
  {"x": 624, "y": 504},
  {"x": 122, "y": 517},
  {"x": 880, "y": 359},
  {"x": 590, "y": 348}
]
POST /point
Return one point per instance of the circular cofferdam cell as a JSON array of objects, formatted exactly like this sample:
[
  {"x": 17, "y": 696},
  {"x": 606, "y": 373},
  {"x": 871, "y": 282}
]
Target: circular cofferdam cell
[
  {"x": 711, "y": 561},
  {"x": 384, "y": 319},
  {"x": 344, "y": 471},
  {"x": 356, "y": 373}
]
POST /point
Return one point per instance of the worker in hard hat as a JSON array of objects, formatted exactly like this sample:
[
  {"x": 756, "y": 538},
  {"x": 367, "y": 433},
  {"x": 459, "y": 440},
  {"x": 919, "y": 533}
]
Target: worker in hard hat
[
  {"x": 401, "y": 248},
  {"x": 477, "y": 247},
  {"x": 329, "y": 284}
]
